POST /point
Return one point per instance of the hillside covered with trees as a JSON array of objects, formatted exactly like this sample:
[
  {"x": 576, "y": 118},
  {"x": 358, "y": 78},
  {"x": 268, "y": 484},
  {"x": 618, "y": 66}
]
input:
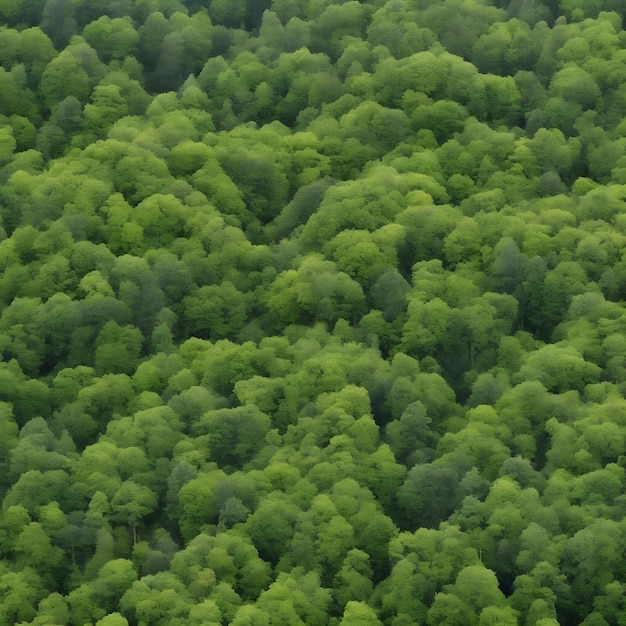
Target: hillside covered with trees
[{"x": 312, "y": 312}]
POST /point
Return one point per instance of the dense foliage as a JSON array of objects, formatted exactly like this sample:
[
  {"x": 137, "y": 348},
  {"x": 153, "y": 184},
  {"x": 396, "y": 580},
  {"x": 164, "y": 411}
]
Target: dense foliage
[{"x": 312, "y": 312}]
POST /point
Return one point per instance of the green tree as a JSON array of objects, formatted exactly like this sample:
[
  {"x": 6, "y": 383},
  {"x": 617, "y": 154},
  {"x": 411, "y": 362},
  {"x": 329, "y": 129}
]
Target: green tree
[
  {"x": 235, "y": 435},
  {"x": 106, "y": 107},
  {"x": 21, "y": 592},
  {"x": 576, "y": 85},
  {"x": 8, "y": 438},
  {"x": 411, "y": 437},
  {"x": 296, "y": 597},
  {"x": 117, "y": 349},
  {"x": 359, "y": 613},
  {"x": 428, "y": 495},
  {"x": 113, "y": 619},
  {"x": 33, "y": 549},
  {"x": 113, "y": 579},
  {"x": 215, "y": 311},
  {"x": 478, "y": 587},
  {"x": 260, "y": 179},
  {"x": 271, "y": 526},
  {"x": 447, "y": 609},
  {"x": 111, "y": 38},
  {"x": 559, "y": 368},
  {"x": 426, "y": 328},
  {"x": 353, "y": 581},
  {"x": 198, "y": 503},
  {"x": 132, "y": 503},
  {"x": 315, "y": 291},
  {"x": 37, "y": 449},
  {"x": 151, "y": 35},
  {"x": 157, "y": 599},
  {"x": 55, "y": 88}
]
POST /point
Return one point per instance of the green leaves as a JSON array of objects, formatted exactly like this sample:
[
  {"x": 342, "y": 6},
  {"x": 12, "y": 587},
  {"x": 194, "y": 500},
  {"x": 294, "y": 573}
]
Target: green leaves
[
  {"x": 315, "y": 291},
  {"x": 215, "y": 311},
  {"x": 279, "y": 279}
]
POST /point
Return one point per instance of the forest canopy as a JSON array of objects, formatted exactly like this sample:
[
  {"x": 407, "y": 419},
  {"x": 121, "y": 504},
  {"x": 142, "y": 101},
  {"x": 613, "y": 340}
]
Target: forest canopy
[{"x": 312, "y": 312}]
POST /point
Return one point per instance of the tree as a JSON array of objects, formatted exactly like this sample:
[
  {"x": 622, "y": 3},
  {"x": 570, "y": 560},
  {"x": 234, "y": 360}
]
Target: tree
[
  {"x": 509, "y": 267},
  {"x": 428, "y": 495},
  {"x": 410, "y": 436},
  {"x": 113, "y": 579},
  {"x": 151, "y": 35},
  {"x": 304, "y": 203},
  {"x": 21, "y": 592},
  {"x": 449, "y": 610},
  {"x": 8, "y": 438},
  {"x": 111, "y": 38},
  {"x": 375, "y": 125},
  {"x": 188, "y": 157},
  {"x": 226, "y": 556},
  {"x": 260, "y": 179},
  {"x": 426, "y": 228},
  {"x": 106, "y": 107},
  {"x": 162, "y": 218},
  {"x": 33, "y": 549},
  {"x": 36, "y": 51},
  {"x": 365, "y": 204},
  {"x": 359, "y": 613},
  {"x": 296, "y": 597},
  {"x": 491, "y": 615},
  {"x": 131, "y": 503},
  {"x": 559, "y": 368},
  {"x": 157, "y": 599},
  {"x": 356, "y": 254},
  {"x": 117, "y": 349},
  {"x": 198, "y": 503},
  {"x": 271, "y": 526},
  {"x": 553, "y": 151},
  {"x": 315, "y": 291},
  {"x": 215, "y": 311},
  {"x": 249, "y": 615},
  {"x": 590, "y": 559},
  {"x": 35, "y": 488},
  {"x": 139, "y": 175},
  {"x": 426, "y": 328},
  {"x": 574, "y": 84},
  {"x": 444, "y": 118},
  {"x": 58, "y": 20},
  {"x": 55, "y": 88},
  {"x": 234, "y": 434},
  {"x": 485, "y": 321},
  {"x": 334, "y": 540},
  {"x": 138, "y": 290},
  {"x": 84, "y": 604},
  {"x": 37, "y": 449},
  {"x": 157, "y": 430},
  {"x": 478, "y": 587},
  {"x": 537, "y": 592},
  {"x": 113, "y": 619},
  {"x": 52, "y": 609},
  {"x": 353, "y": 582}
]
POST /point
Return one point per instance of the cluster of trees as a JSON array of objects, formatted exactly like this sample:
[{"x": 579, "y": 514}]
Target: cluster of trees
[{"x": 312, "y": 313}]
